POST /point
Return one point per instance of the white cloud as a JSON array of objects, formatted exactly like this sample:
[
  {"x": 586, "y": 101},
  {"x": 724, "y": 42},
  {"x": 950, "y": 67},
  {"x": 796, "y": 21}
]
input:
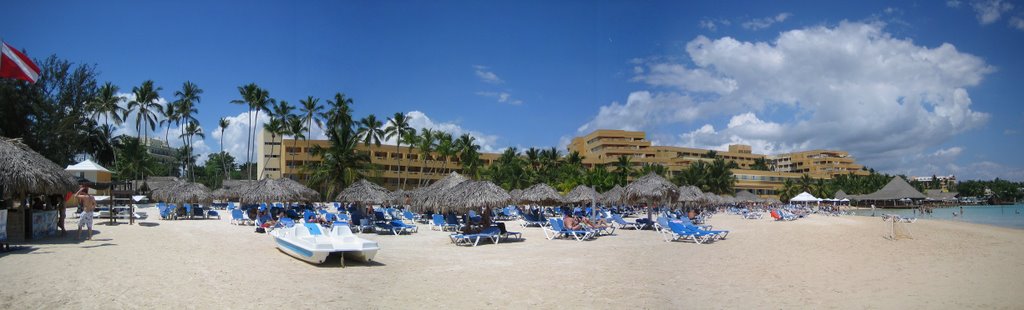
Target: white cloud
[
  {"x": 420, "y": 120},
  {"x": 852, "y": 87},
  {"x": 643, "y": 110},
  {"x": 486, "y": 75},
  {"x": 1017, "y": 23},
  {"x": 697, "y": 80},
  {"x": 953, "y": 3},
  {"x": 986, "y": 170},
  {"x": 501, "y": 97},
  {"x": 708, "y": 24},
  {"x": 761, "y": 23},
  {"x": 990, "y": 11},
  {"x": 237, "y": 132}
]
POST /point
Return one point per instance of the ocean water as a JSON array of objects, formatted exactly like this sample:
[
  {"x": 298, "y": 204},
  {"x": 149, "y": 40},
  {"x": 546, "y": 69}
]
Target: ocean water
[{"x": 1006, "y": 216}]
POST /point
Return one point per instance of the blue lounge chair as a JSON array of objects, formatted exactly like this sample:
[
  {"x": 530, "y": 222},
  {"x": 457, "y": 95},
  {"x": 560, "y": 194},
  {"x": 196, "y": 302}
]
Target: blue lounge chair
[
  {"x": 237, "y": 217},
  {"x": 440, "y": 224},
  {"x": 716, "y": 234},
  {"x": 403, "y": 227},
  {"x": 508, "y": 234},
  {"x": 528, "y": 220},
  {"x": 623, "y": 224},
  {"x": 285, "y": 222},
  {"x": 676, "y": 231},
  {"x": 492, "y": 233},
  {"x": 556, "y": 229}
]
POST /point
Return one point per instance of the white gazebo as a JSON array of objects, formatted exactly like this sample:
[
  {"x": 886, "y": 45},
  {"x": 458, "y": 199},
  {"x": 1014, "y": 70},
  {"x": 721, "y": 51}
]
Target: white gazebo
[
  {"x": 804, "y": 197},
  {"x": 90, "y": 170}
]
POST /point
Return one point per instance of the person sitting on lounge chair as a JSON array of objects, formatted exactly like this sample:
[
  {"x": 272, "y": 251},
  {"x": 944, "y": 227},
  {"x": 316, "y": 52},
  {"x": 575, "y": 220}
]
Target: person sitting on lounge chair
[
  {"x": 571, "y": 222},
  {"x": 265, "y": 220}
]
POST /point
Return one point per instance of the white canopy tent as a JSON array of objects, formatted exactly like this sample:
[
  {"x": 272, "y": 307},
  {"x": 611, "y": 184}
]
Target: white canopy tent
[{"x": 804, "y": 197}]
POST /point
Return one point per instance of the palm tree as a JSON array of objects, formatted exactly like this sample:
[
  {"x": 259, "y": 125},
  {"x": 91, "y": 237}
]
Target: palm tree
[
  {"x": 191, "y": 130},
  {"x": 341, "y": 164},
  {"x": 398, "y": 128},
  {"x": 411, "y": 138},
  {"x": 275, "y": 126},
  {"x": 339, "y": 113},
  {"x": 623, "y": 169},
  {"x": 257, "y": 99},
  {"x": 425, "y": 145},
  {"x": 146, "y": 110},
  {"x": 184, "y": 109},
  {"x": 533, "y": 157},
  {"x": 108, "y": 104},
  {"x": 445, "y": 149},
  {"x": 294, "y": 126},
  {"x": 282, "y": 110},
  {"x": 468, "y": 154},
  {"x": 223, "y": 124},
  {"x": 370, "y": 131},
  {"x": 310, "y": 107}
]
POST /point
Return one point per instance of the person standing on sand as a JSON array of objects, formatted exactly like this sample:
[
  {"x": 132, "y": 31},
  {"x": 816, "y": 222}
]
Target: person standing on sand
[
  {"x": 872, "y": 210},
  {"x": 88, "y": 206}
]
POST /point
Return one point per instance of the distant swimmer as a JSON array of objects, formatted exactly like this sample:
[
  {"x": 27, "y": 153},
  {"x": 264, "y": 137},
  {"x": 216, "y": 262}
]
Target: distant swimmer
[{"x": 954, "y": 214}]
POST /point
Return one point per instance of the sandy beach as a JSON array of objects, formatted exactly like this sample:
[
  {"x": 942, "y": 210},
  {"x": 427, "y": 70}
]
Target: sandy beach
[{"x": 818, "y": 262}]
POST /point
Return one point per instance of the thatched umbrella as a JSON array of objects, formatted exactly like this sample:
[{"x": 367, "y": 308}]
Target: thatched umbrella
[
  {"x": 476, "y": 194},
  {"x": 614, "y": 195},
  {"x": 541, "y": 194},
  {"x": 516, "y": 194},
  {"x": 652, "y": 188},
  {"x": 747, "y": 196},
  {"x": 364, "y": 191},
  {"x": 582, "y": 194},
  {"x": 23, "y": 171},
  {"x": 231, "y": 189},
  {"x": 690, "y": 193},
  {"x": 400, "y": 196},
  {"x": 271, "y": 190},
  {"x": 182, "y": 192},
  {"x": 308, "y": 193},
  {"x": 432, "y": 196}
]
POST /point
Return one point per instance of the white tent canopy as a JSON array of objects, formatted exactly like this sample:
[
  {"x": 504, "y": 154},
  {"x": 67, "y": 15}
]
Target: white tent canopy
[
  {"x": 86, "y": 165},
  {"x": 804, "y": 197}
]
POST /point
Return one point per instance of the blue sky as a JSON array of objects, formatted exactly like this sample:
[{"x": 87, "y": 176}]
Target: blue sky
[{"x": 919, "y": 88}]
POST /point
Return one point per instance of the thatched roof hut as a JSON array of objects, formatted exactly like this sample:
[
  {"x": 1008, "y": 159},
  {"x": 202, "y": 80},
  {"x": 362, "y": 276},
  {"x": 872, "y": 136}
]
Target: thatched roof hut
[
  {"x": 476, "y": 194},
  {"x": 23, "y": 171},
  {"x": 432, "y": 195},
  {"x": 747, "y": 196},
  {"x": 840, "y": 194},
  {"x": 690, "y": 193},
  {"x": 364, "y": 191},
  {"x": 896, "y": 189},
  {"x": 273, "y": 190},
  {"x": 152, "y": 183},
  {"x": 400, "y": 196},
  {"x": 516, "y": 194},
  {"x": 582, "y": 194},
  {"x": 182, "y": 192},
  {"x": 652, "y": 188},
  {"x": 310, "y": 194},
  {"x": 231, "y": 189},
  {"x": 541, "y": 194},
  {"x": 613, "y": 196}
]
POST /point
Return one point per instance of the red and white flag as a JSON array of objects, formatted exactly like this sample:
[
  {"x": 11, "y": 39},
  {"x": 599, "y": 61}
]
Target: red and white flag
[{"x": 15, "y": 65}]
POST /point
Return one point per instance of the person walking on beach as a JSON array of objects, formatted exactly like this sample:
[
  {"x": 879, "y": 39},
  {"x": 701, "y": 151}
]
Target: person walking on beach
[{"x": 88, "y": 206}]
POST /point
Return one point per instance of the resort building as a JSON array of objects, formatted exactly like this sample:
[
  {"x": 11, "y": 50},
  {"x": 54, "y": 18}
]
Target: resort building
[
  {"x": 603, "y": 147},
  {"x": 944, "y": 181},
  {"x": 289, "y": 157},
  {"x": 598, "y": 148}
]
